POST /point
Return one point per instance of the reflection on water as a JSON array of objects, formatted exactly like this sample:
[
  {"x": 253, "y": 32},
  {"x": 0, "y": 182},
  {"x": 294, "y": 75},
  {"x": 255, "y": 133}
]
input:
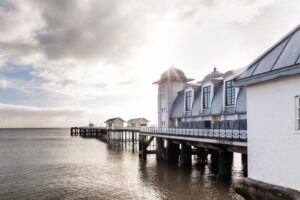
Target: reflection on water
[{"x": 49, "y": 164}]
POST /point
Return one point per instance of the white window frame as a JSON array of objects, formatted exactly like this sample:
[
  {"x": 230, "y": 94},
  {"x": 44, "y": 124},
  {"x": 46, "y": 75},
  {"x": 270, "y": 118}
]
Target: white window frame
[
  {"x": 188, "y": 109},
  {"x": 210, "y": 97},
  {"x": 297, "y": 114},
  {"x": 233, "y": 88}
]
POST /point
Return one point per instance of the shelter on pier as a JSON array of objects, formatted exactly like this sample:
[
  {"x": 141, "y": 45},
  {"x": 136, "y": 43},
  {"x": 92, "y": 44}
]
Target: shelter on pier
[
  {"x": 137, "y": 122},
  {"x": 116, "y": 122}
]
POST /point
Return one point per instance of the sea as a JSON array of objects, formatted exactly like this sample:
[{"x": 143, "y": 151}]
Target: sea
[{"x": 51, "y": 164}]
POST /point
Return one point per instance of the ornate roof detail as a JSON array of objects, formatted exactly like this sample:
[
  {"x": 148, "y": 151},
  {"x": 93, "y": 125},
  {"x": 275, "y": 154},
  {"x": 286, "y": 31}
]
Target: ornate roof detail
[{"x": 213, "y": 75}]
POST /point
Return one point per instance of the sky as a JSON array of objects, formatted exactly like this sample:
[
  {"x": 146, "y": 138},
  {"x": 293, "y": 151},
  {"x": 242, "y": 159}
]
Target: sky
[{"x": 67, "y": 63}]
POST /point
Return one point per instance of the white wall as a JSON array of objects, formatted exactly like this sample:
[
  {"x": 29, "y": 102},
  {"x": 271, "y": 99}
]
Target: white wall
[
  {"x": 273, "y": 143},
  {"x": 170, "y": 89}
]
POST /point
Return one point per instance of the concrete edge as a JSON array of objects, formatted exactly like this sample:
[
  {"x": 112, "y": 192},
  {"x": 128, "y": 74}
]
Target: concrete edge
[{"x": 251, "y": 189}]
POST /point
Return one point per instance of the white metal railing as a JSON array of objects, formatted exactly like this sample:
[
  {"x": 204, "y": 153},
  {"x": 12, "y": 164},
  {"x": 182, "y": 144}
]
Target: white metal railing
[
  {"x": 231, "y": 134},
  {"x": 201, "y": 133}
]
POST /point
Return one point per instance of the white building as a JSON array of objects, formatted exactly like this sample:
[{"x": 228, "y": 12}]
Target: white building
[{"x": 273, "y": 111}]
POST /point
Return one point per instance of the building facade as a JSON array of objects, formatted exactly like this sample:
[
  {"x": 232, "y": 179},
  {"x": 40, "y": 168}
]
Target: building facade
[
  {"x": 273, "y": 112},
  {"x": 214, "y": 102}
]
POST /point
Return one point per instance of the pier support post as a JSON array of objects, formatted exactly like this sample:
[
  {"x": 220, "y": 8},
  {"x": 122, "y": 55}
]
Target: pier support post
[
  {"x": 132, "y": 140},
  {"x": 185, "y": 155},
  {"x": 172, "y": 151},
  {"x": 143, "y": 146},
  {"x": 201, "y": 155},
  {"x": 225, "y": 164},
  {"x": 160, "y": 149},
  {"x": 245, "y": 164}
]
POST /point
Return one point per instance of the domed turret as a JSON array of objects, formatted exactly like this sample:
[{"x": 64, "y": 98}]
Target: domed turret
[
  {"x": 170, "y": 83},
  {"x": 173, "y": 74},
  {"x": 214, "y": 74}
]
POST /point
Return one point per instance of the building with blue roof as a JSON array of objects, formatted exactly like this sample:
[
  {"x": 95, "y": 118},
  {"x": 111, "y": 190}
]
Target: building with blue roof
[{"x": 213, "y": 102}]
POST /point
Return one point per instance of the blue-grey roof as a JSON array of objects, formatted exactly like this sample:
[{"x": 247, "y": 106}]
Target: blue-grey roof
[
  {"x": 216, "y": 106},
  {"x": 241, "y": 103},
  {"x": 211, "y": 76},
  {"x": 178, "y": 106},
  {"x": 282, "y": 59},
  {"x": 217, "y": 102},
  {"x": 197, "y": 104}
]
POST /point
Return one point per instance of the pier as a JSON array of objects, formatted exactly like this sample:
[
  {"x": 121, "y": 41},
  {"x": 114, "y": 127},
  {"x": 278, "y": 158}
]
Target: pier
[{"x": 178, "y": 145}]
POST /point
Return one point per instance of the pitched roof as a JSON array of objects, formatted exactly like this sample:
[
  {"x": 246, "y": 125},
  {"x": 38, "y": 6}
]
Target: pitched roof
[
  {"x": 113, "y": 119},
  {"x": 141, "y": 118},
  {"x": 282, "y": 59}
]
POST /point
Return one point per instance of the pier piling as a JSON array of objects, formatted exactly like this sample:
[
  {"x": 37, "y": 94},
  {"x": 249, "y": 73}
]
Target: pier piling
[{"x": 185, "y": 155}]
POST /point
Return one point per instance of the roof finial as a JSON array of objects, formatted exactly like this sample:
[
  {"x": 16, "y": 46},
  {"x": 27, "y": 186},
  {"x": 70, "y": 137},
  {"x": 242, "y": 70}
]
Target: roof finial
[{"x": 215, "y": 68}]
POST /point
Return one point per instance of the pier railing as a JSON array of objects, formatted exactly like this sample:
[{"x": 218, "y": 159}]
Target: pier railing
[
  {"x": 221, "y": 134},
  {"x": 229, "y": 134}
]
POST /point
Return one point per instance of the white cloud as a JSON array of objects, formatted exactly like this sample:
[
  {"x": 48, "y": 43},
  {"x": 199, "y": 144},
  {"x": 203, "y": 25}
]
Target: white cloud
[{"x": 5, "y": 83}]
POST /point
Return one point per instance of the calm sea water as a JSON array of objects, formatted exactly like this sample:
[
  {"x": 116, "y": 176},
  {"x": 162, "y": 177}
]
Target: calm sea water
[{"x": 50, "y": 164}]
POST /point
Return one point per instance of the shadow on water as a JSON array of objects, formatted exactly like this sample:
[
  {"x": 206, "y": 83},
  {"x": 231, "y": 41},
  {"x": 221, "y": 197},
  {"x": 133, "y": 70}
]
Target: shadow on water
[{"x": 199, "y": 181}]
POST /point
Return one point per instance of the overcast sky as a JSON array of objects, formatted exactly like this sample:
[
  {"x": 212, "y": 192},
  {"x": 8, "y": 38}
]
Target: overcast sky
[{"x": 66, "y": 62}]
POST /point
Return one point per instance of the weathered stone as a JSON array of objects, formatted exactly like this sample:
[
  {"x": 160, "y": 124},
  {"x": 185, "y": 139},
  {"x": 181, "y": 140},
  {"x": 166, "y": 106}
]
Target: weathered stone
[{"x": 255, "y": 190}]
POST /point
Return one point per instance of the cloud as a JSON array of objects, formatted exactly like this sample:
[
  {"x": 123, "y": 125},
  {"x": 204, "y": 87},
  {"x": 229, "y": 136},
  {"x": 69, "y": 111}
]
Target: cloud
[
  {"x": 24, "y": 116},
  {"x": 94, "y": 53},
  {"x": 85, "y": 30},
  {"x": 5, "y": 83}
]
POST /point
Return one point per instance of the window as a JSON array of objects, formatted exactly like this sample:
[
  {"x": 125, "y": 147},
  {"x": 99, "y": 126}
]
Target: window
[
  {"x": 230, "y": 93},
  {"x": 298, "y": 113},
  {"x": 206, "y": 97},
  {"x": 188, "y": 101},
  {"x": 207, "y": 124},
  {"x": 163, "y": 100}
]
